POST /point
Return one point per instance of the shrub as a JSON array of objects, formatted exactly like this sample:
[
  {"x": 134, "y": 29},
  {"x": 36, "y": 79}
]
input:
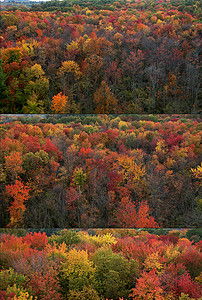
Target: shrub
[
  {"x": 37, "y": 240},
  {"x": 69, "y": 237},
  {"x": 114, "y": 273},
  {"x": 10, "y": 277},
  {"x": 77, "y": 270},
  {"x": 88, "y": 293}
]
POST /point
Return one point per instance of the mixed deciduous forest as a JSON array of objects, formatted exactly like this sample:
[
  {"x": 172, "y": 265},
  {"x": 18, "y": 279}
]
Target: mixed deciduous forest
[
  {"x": 101, "y": 57},
  {"x": 100, "y": 171},
  {"x": 101, "y": 265}
]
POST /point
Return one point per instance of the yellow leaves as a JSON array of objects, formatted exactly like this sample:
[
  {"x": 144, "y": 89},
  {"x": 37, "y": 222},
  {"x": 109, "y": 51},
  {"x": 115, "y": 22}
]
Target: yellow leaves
[
  {"x": 59, "y": 103},
  {"x": 12, "y": 28},
  {"x": 118, "y": 36},
  {"x": 153, "y": 262},
  {"x": 55, "y": 250},
  {"x": 34, "y": 106},
  {"x": 199, "y": 278},
  {"x": 20, "y": 294},
  {"x": 89, "y": 12},
  {"x": 181, "y": 152},
  {"x": 37, "y": 71},
  {"x": 28, "y": 47},
  {"x": 197, "y": 172},
  {"x": 130, "y": 169},
  {"x": 79, "y": 177},
  {"x": 185, "y": 297},
  {"x": 153, "y": 19},
  {"x": 172, "y": 252},
  {"x": 98, "y": 240},
  {"x": 170, "y": 162},
  {"x": 180, "y": 233},
  {"x": 73, "y": 46},
  {"x": 104, "y": 99},
  {"x": 78, "y": 265},
  {"x": 123, "y": 125},
  {"x": 109, "y": 28},
  {"x": 95, "y": 45},
  {"x": 2, "y": 174},
  {"x": 183, "y": 243},
  {"x": 172, "y": 79},
  {"x": 11, "y": 54},
  {"x": 143, "y": 27},
  {"x": 70, "y": 66},
  {"x": 160, "y": 147}
]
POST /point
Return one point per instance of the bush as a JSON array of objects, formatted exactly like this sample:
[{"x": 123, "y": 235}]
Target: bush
[
  {"x": 69, "y": 237},
  {"x": 10, "y": 277},
  {"x": 77, "y": 271},
  {"x": 114, "y": 273},
  {"x": 87, "y": 293}
]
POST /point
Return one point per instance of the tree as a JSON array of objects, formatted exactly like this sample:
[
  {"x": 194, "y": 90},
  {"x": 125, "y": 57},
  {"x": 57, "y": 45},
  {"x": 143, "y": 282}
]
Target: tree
[
  {"x": 128, "y": 215},
  {"x": 148, "y": 287},
  {"x": 59, "y": 103},
  {"x": 77, "y": 271},
  {"x": 114, "y": 273},
  {"x": 105, "y": 100},
  {"x": 20, "y": 193},
  {"x": 13, "y": 163}
]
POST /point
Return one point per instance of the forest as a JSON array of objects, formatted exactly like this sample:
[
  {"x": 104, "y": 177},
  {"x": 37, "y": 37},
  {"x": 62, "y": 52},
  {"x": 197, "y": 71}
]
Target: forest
[
  {"x": 85, "y": 171},
  {"x": 98, "y": 56},
  {"x": 108, "y": 264}
]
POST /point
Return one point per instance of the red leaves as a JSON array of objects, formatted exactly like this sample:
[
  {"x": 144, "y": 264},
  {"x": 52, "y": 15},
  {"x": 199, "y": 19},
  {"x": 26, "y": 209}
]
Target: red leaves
[
  {"x": 176, "y": 280},
  {"x": 31, "y": 143},
  {"x": 51, "y": 149},
  {"x": 148, "y": 287},
  {"x": 45, "y": 286},
  {"x": 123, "y": 168},
  {"x": 187, "y": 286},
  {"x": 129, "y": 216},
  {"x": 36, "y": 240},
  {"x": 85, "y": 152}
]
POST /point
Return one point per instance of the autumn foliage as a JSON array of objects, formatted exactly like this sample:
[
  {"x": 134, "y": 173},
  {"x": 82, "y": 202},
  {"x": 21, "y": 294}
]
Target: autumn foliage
[
  {"x": 100, "y": 171},
  {"x": 59, "y": 103},
  {"x": 104, "y": 56},
  {"x": 19, "y": 193},
  {"x": 99, "y": 264}
]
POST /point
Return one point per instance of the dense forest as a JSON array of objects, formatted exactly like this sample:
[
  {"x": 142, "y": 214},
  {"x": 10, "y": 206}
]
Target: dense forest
[
  {"x": 100, "y": 171},
  {"x": 101, "y": 265},
  {"x": 101, "y": 57}
]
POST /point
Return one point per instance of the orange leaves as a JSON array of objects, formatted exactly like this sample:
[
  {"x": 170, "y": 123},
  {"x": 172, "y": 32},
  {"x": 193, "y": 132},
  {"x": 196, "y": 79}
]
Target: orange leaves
[
  {"x": 59, "y": 103},
  {"x": 143, "y": 218},
  {"x": 13, "y": 162},
  {"x": 148, "y": 287},
  {"x": 20, "y": 193},
  {"x": 129, "y": 216}
]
